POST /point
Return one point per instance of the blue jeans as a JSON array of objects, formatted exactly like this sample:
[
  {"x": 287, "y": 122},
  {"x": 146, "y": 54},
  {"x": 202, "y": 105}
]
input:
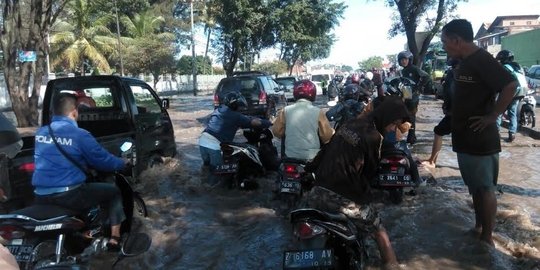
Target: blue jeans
[
  {"x": 511, "y": 112},
  {"x": 211, "y": 158}
]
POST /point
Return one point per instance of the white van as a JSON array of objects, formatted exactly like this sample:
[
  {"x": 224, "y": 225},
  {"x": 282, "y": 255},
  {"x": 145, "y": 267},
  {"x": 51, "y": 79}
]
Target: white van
[{"x": 318, "y": 78}]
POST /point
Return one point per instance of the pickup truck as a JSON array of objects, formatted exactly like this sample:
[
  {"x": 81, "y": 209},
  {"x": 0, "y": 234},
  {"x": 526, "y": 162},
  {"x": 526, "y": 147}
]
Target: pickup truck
[{"x": 114, "y": 109}]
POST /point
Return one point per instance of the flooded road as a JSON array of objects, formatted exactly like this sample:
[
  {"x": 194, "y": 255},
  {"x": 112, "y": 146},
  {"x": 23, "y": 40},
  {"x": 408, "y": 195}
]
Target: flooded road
[{"x": 197, "y": 227}]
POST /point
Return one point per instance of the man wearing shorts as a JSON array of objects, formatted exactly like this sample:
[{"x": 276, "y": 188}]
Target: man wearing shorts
[
  {"x": 344, "y": 168},
  {"x": 483, "y": 90}
]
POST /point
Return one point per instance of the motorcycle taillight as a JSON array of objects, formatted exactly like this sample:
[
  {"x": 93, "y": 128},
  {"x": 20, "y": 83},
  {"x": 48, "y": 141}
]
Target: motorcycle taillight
[
  {"x": 216, "y": 100},
  {"x": 27, "y": 167},
  {"x": 394, "y": 160},
  {"x": 11, "y": 232},
  {"x": 304, "y": 230}
]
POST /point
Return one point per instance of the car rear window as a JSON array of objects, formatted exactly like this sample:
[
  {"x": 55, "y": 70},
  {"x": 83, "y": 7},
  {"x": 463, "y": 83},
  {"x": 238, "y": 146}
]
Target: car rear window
[
  {"x": 247, "y": 86},
  {"x": 285, "y": 81}
]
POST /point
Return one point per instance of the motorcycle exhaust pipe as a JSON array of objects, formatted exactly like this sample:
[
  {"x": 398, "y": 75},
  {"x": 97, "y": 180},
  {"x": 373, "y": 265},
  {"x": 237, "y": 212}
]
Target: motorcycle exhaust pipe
[{"x": 59, "y": 247}]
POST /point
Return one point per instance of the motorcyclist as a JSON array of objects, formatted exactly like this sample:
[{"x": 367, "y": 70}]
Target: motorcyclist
[
  {"x": 302, "y": 126},
  {"x": 352, "y": 103},
  {"x": 59, "y": 177},
  {"x": 420, "y": 78},
  {"x": 506, "y": 58},
  {"x": 344, "y": 168},
  {"x": 224, "y": 121},
  {"x": 334, "y": 87}
]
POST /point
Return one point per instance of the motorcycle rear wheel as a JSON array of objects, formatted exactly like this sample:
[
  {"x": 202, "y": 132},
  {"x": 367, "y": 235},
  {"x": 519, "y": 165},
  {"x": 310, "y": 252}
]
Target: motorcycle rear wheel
[{"x": 396, "y": 195}]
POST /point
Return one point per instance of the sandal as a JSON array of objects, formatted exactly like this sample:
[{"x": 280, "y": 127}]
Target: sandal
[{"x": 112, "y": 246}]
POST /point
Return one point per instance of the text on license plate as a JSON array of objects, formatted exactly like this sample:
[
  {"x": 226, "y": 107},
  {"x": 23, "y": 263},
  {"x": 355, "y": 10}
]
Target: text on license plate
[
  {"x": 20, "y": 252},
  {"x": 226, "y": 168},
  {"x": 392, "y": 179},
  {"x": 307, "y": 258},
  {"x": 290, "y": 186}
]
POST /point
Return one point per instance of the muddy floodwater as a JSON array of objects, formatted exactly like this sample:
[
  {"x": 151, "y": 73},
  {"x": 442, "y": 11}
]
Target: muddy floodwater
[{"x": 194, "y": 226}]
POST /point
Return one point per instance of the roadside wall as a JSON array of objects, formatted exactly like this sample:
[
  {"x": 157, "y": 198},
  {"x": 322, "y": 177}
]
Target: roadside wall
[{"x": 181, "y": 84}]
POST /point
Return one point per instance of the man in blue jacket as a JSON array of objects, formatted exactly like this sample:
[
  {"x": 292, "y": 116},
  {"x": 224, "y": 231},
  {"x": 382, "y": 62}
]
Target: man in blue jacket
[{"x": 57, "y": 180}]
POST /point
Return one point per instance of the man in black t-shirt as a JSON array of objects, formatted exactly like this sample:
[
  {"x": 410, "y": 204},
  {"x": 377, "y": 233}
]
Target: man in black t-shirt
[{"x": 483, "y": 90}]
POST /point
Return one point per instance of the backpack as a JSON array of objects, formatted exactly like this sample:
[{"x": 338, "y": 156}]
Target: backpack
[{"x": 521, "y": 90}]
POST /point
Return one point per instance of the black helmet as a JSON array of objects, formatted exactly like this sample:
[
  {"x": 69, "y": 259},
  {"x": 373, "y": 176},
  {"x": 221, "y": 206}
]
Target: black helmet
[
  {"x": 234, "y": 100},
  {"x": 405, "y": 54},
  {"x": 351, "y": 91},
  {"x": 505, "y": 56}
]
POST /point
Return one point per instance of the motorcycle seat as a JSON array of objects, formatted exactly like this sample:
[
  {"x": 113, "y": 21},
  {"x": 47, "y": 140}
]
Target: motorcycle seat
[
  {"x": 318, "y": 214},
  {"x": 45, "y": 212}
]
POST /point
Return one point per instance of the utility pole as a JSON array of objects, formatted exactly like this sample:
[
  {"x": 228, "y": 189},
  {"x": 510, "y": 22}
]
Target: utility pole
[
  {"x": 118, "y": 37},
  {"x": 193, "y": 60}
]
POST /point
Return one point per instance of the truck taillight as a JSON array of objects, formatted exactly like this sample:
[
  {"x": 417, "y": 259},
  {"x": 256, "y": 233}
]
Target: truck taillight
[
  {"x": 9, "y": 232},
  {"x": 262, "y": 97},
  {"x": 27, "y": 167},
  {"x": 305, "y": 230}
]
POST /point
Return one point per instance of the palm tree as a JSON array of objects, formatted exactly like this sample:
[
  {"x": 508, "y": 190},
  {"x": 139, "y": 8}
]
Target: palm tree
[
  {"x": 84, "y": 37},
  {"x": 144, "y": 24}
]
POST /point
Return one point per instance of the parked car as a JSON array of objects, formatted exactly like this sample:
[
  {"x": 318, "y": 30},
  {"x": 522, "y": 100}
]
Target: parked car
[
  {"x": 262, "y": 93},
  {"x": 533, "y": 76},
  {"x": 288, "y": 83}
]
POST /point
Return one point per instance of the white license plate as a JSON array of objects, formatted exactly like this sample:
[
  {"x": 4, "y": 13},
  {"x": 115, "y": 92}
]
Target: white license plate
[
  {"x": 290, "y": 186},
  {"x": 21, "y": 253},
  {"x": 308, "y": 258}
]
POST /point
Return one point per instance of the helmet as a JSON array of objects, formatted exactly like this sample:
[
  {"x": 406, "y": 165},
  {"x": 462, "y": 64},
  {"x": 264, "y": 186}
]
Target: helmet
[
  {"x": 351, "y": 91},
  {"x": 505, "y": 56},
  {"x": 234, "y": 100},
  {"x": 338, "y": 78},
  {"x": 304, "y": 89},
  {"x": 355, "y": 78},
  {"x": 369, "y": 75},
  {"x": 405, "y": 54}
]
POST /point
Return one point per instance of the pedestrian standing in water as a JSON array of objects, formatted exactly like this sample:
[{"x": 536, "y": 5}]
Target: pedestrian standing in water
[
  {"x": 445, "y": 125},
  {"x": 482, "y": 91}
]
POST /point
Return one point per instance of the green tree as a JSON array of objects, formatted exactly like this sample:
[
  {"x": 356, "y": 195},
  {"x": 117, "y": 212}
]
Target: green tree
[
  {"x": 275, "y": 67},
  {"x": 392, "y": 59},
  {"x": 25, "y": 25},
  {"x": 303, "y": 28},
  {"x": 204, "y": 64},
  {"x": 346, "y": 68},
  {"x": 150, "y": 55},
  {"x": 411, "y": 13},
  {"x": 371, "y": 62},
  {"x": 242, "y": 27},
  {"x": 83, "y": 35}
]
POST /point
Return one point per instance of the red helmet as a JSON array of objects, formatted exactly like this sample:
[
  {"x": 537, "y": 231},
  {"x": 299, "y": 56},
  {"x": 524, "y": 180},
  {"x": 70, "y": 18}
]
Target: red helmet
[
  {"x": 304, "y": 89},
  {"x": 355, "y": 78}
]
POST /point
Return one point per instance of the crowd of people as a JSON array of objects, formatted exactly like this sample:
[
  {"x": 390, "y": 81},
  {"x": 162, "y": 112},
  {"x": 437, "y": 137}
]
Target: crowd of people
[{"x": 343, "y": 158}]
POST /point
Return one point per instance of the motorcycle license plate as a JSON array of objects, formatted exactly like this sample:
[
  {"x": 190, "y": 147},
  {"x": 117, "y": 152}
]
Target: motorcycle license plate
[
  {"x": 226, "y": 168},
  {"x": 308, "y": 258},
  {"x": 395, "y": 180},
  {"x": 290, "y": 186},
  {"x": 21, "y": 253}
]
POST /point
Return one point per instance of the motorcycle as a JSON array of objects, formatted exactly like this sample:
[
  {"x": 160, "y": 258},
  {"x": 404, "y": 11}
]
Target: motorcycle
[
  {"x": 49, "y": 236},
  {"x": 242, "y": 161},
  {"x": 394, "y": 171},
  {"x": 292, "y": 182},
  {"x": 525, "y": 111},
  {"x": 325, "y": 241}
]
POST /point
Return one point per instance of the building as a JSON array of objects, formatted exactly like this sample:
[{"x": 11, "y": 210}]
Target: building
[
  {"x": 524, "y": 45},
  {"x": 490, "y": 35}
]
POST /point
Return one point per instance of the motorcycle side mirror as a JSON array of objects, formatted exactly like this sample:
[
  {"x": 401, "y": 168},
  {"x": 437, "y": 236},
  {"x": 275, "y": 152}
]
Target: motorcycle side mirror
[
  {"x": 126, "y": 146},
  {"x": 135, "y": 244},
  {"x": 331, "y": 103}
]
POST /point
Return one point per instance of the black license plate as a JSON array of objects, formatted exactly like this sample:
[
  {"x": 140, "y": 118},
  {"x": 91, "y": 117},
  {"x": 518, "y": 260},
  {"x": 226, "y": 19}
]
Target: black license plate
[
  {"x": 226, "y": 168},
  {"x": 395, "y": 180},
  {"x": 21, "y": 253},
  {"x": 308, "y": 258},
  {"x": 290, "y": 186}
]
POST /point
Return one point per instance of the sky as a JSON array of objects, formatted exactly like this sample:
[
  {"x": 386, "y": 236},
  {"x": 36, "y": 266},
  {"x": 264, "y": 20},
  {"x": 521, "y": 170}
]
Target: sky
[{"x": 363, "y": 31}]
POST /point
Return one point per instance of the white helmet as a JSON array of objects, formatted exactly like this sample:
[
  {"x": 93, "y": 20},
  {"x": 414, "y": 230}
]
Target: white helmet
[{"x": 369, "y": 75}]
